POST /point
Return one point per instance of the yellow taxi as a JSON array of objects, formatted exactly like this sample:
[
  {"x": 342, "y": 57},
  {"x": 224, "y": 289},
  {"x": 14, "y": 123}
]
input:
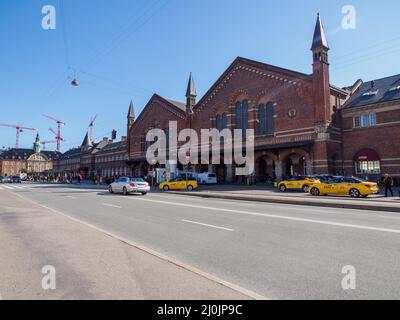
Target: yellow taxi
[
  {"x": 297, "y": 183},
  {"x": 353, "y": 187},
  {"x": 179, "y": 184}
]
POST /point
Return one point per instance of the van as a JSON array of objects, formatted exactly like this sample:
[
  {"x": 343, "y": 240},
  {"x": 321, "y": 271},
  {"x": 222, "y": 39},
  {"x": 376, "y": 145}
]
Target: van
[{"x": 207, "y": 178}]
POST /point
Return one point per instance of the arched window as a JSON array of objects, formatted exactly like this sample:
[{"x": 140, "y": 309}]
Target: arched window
[
  {"x": 224, "y": 121},
  {"x": 245, "y": 117},
  {"x": 218, "y": 123},
  {"x": 270, "y": 119},
  {"x": 242, "y": 116},
  {"x": 166, "y": 131},
  {"x": 238, "y": 115},
  {"x": 262, "y": 129}
]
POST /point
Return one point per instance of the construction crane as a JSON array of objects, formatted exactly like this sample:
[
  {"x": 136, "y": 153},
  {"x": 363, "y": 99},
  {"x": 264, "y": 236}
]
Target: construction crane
[
  {"x": 90, "y": 127},
  {"x": 58, "y": 133},
  {"x": 19, "y": 130},
  {"x": 44, "y": 143}
]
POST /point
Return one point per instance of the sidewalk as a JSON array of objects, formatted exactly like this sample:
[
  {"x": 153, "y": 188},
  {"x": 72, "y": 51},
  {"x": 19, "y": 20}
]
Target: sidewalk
[
  {"x": 272, "y": 195},
  {"x": 90, "y": 264}
]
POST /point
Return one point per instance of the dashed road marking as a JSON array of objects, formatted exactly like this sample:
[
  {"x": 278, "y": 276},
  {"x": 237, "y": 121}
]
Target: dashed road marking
[
  {"x": 274, "y": 216},
  {"x": 207, "y": 225},
  {"x": 111, "y": 205},
  {"x": 9, "y": 188}
]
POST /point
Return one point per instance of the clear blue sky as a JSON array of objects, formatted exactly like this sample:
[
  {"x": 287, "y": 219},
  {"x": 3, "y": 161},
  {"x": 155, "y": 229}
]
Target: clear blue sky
[{"x": 128, "y": 49}]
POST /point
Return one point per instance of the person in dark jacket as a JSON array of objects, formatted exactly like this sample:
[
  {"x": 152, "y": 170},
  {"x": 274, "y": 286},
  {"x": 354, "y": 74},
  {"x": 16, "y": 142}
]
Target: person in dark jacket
[{"x": 388, "y": 182}]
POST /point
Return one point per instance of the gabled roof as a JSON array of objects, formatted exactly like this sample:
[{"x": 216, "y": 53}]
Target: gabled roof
[
  {"x": 115, "y": 146},
  {"x": 178, "y": 104},
  {"x": 72, "y": 153},
  {"x": 179, "y": 107},
  {"x": 298, "y": 76},
  {"x": 375, "y": 91},
  {"x": 319, "y": 39}
]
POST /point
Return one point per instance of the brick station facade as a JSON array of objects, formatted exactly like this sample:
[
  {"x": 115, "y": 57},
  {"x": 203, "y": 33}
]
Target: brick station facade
[{"x": 303, "y": 124}]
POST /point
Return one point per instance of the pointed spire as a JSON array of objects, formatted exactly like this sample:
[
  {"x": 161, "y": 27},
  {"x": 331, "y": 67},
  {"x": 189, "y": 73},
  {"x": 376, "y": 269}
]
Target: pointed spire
[
  {"x": 131, "y": 112},
  {"x": 191, "y": 89},
  {"x": 36, "y": 145},
  {"x": 87, "y": 143},
  {"x": 319, "y": 40}
]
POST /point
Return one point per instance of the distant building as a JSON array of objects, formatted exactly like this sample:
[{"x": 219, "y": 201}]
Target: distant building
[
  {"x": 105, "y": 158},
  {"x": 28, "y": 161},
  {"x": 112, "y": 160}
]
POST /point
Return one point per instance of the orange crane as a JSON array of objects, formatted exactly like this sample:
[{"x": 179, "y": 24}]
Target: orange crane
[
  {"x": 19, "y": 130},
  {"x": 58, "y": 133}
]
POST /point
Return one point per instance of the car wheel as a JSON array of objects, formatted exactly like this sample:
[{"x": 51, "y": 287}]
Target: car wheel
[
  {"x": 190, "y": 188},
  {"x": 165, "y": 188},
  {"x": 110, "y": 189},
  {"x": 144, "y": 193},
  {"x": 315, "y": 192},
  {"x": 305, "y": 188},
  {"x": 354, "y": 193},
  {"x": 124, "y": 191},
  {"x": 282, "y": 188}
]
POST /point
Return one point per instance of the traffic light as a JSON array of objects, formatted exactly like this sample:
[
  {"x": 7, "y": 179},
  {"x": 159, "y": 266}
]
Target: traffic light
[{"x": 114, "y": 135}]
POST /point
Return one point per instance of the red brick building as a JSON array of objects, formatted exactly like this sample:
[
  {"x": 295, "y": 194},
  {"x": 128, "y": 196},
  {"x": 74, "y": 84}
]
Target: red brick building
[
  {"x": 303, "y": 124},
  {"x": 371, "y": 128}
]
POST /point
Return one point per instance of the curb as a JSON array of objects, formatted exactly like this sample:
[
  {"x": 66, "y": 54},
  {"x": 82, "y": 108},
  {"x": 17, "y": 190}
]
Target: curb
[{"x": 340, "y": 205}]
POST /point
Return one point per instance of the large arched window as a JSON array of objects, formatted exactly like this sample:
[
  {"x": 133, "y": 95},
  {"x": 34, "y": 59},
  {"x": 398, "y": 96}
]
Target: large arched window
[
  {"x": 218, "y": 123},
  {"x": 266, "y": 119},
  {"x": 270, "y": 119},
  {"x": 242, "y": 116},
  {"x": 224, "y": 121},
  {"x": 262, "y": 129},
  {"x": 238, "y": 115}
]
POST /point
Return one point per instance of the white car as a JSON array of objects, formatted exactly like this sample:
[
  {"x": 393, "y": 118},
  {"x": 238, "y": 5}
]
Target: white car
[{"x": 129, "y": 185}]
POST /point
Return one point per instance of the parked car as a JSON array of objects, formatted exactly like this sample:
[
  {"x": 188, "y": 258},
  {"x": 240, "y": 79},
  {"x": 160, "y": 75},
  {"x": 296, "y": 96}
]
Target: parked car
[
  {"x": 6, "y": 179},
  {"x": 353, "y": 187},
  {"x": 207, "y": 178},
  {"x": 129, "y": 185},
  {"x": 297, "y": 183},
  {"x": 325, "y": 178},
  {"x": 16, "y": 179},
  {"x": 179, "y": 184},
  {"x": 3, "y": 179}
]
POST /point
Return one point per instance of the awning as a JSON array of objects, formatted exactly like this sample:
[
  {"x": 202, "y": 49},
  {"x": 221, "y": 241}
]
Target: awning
[{"x": 366, "y": 155}]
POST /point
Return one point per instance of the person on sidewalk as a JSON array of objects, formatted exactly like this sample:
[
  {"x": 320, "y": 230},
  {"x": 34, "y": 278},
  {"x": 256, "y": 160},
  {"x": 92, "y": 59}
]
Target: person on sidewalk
[{"x": 388, "y": 183}]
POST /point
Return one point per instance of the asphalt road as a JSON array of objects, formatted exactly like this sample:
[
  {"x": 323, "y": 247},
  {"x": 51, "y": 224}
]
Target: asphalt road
[{"x": 278, "y": 251}]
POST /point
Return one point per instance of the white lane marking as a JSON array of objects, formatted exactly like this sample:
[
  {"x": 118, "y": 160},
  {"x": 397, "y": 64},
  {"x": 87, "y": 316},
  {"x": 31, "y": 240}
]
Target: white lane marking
[
  {"x": 154, "y": 253},
  {"x": 207, "y": 225},
  {"x": 70, "y": 197},
  {"x": 8, "y": 187},
  {"x": 111, "y": 205},
  {"x": 18, "y": 187},
  {"x": 274, "y": 216}
]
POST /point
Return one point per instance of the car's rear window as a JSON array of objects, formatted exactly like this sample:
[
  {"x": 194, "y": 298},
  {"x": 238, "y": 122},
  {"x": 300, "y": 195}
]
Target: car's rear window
[{"x": 137, "y": 180}]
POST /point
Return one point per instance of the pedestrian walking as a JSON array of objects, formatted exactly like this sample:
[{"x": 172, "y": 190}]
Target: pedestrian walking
[{"x": 388, "y": 183}]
